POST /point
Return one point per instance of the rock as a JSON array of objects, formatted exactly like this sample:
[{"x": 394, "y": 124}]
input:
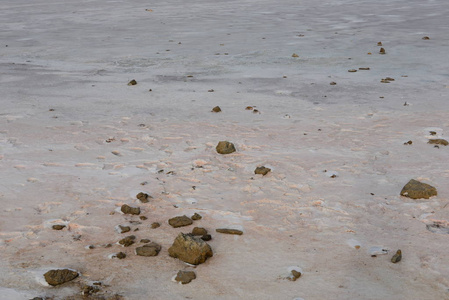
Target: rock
[
  {"x": 132, "y": 82},
  {"x": 190, "y": 249},
  {"x": 426, "y": 38},
  {"x": 333, "y": 83},
  {"x": 417, "y": 190},
  {"x": 185, "y": 276},
  {"x": 196, "y": 217},
  {"x": 143, "y": 218},
  {"x": 294, "y": 275},
  {"x": 225, "y": 147},
  {"x": 295, "y": 55},
  {"x": 438, "y": 142},
  {"x": 151, "y": 249},
  {"x": 89, "y": 290},
  {"x": 155, "y": 225},
  {"x": 262, "y": 170},
  {"x": 216, "y": 109},
  {"x": 145, "y": 240},
  {"x": 397, "y": 257},
  {"x": 199, "y": 231},
  {"x": 126, "y": 209},
  {"x": 364, "y": 69},
  {"x": 249, "y": 108},
  {"x": 123, "y": 229},
  {"x": 352, "y": 70},
  {"x": 57, "y": 277},
  {"x": 180, "y": 221},
  {"x": 229, "y": 231},
  {"x": 127, "y": 241},
  {"x": 379, "y": 44},
  {"x": 206, "y": 237},
  {"x": 144, "y": 198},
  {"x": 120, "y": 255},
  {"x": 382, "y": 51},
  {"x": 58, "y": 227},
  {"x": 408, "y": 143}
]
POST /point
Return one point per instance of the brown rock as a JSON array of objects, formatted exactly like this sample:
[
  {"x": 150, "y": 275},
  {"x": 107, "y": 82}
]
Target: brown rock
[
  {"x": 126, "y": 209},
  {"x": 196, "y": 216},
  {"x": 58, "y": 227},
  {"x": 364, "y": 69},
  {"x": 379, "y": 44},
  {"x": 333, "y": 83},
  {"x": 123, "y": 229},
  {"x": 143, "y": 218},
  {"x": 151, "y": 249},
  {"x": 145, "y": 240},
  {"x": 127, "y": 241},
  {"x": 180, "y": 221},
  {"x": 185, "y": 276},
  {"x": 229, "y": 231},
  {"x": 190, "y": 249},
  {"x": 144, "y": 198},
  {"x": 206, "y": 237},
  {"x": 426, "y": 38},
  {"x": 120, "y": 255},
  {"x": 262, "y": 170},
  {"x": 225, "y": 147},
  {"x": 352, "y": 70},
  {"x": 199, "y": 231},
  {"x": 216, "y": 109},
  {"x": 294, "y": 275},
  {"x": 155, "y": 225},
  {"x": 382, "y": 51},
  {"x": 438, "y": 142},
  {"x": 417, "y": 190},
  {"x": 57, "y": 277},
  {"x": 397, "y": 257},
  {"x": 295, "y": 55},
  {"x": 132, "y": 82}
]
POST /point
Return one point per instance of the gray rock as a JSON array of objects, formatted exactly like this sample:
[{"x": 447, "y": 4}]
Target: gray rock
[
  {"x": 180, "y": 221},
  {"x": 262, "y": 170},
  {"x": 185, "y": 276},
  {"x": 190, "y": 249},
  {"x": 57, "y": 277},
  {"x": 417, "y": 190},
  {"x": 126, "y": 209},
  {"x": 225, "y": 147},
  {"x": 151, "y": 249},
  {"x": 229, "y": 231}
]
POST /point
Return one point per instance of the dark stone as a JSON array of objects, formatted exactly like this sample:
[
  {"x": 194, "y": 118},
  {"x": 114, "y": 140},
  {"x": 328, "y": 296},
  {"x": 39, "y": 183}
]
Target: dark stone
[
  {"x": 196, "y": 217},
  {"x": 262, "y": 170},
  {"x": 127, "y": 241},
  {"x": 151, "y": 249},
  {"x": 145, "y": 241},
  {"x": 225, "y": 147},
  {"x": 216, "y": 109},
  {"x": 199, "y": 231},
  {"x": 58, "y": 227},
  {"x": 229, "y": 231},
  {"x": 294, "y": 275},
  {"x": 180, "y": 221},
  {"x": 143, "y": 218},
  {"x": 89, "y": 290},
  {"x": 397, "y": 257},
  {"x": 185, "y": 276},
  {"x": 155, "y": 225},
  {"x": 417, "y": 190},
  {"x": 57, "y": 277},
  {"x": 144, "y": 198},
  {"x": 206, "y": 237},
  {"x": 190, "y": 249},
  {"x": 126, "y": 209},
  {"x": 120, "y": 255},
  {"x": 123, "y": 229},
  {"x": 382, "y": 51},
  {"x": 438, "y": 142},
  {"x": 132, "y": 82}
]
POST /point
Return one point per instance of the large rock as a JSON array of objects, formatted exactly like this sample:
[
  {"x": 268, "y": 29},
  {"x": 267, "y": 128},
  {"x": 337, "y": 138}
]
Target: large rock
[
  {"x": 57, "y": 277},
  {"x": 151, "y": 249},
  {"x": 180, "y": 221},
  {"x": 225, "y": 147},
  {"x": 190, "y": 249},
  {"x": 417, "y": 190}
]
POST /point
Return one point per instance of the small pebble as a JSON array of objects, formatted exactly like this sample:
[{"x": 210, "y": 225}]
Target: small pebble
[
  {"x": 132, "y": 82},
  {"x": 397, "y": 257}
]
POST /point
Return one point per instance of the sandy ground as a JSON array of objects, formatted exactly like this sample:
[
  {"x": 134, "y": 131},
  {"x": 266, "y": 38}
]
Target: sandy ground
[{"x": 76, "y": 142}]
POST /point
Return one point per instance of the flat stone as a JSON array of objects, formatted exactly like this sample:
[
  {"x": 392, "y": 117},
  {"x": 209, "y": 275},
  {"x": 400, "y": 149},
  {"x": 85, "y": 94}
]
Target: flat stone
[
  {"x": 262, "y": 170},
  {"x": 229, "y": 231},
  {"x": 180, "y": 221},
  {"x": 58, "y": 227},
  {"x": 199, "y": 231},
  {"x": 185, "y": 276},
  {"x": 155, "y": 225},
  {"x": 418, "y": 190},
  {"x": 151, "y": 249},
  {"x": 126, "y": 209},
  {"x": 127, "y": 241},
  {"x": 57, "y": 277},
  {"x": 225, "y": 147},
  {"x": 438, "y": 142},
  {"x": 190, "y": 249}
]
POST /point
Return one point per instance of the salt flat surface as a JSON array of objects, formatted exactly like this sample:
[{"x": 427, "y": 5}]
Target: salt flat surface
[{"x": 76, "y": 142}]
